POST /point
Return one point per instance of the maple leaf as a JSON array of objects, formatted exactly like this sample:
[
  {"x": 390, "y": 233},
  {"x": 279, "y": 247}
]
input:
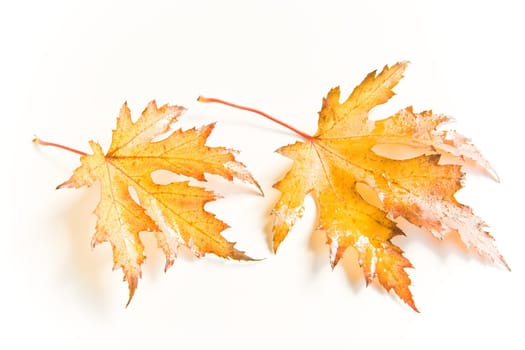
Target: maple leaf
[
  {"x": 173, "y": 212},
  {"x": 344, "y": 156}
]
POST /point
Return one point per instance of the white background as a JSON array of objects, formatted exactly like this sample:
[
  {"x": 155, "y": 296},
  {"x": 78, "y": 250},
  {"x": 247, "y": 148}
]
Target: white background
[{"x": 66, "y": 68}]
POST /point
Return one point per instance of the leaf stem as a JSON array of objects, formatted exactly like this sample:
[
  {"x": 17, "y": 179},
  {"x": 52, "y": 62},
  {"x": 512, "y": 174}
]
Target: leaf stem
[
  {"x": 300, "y": 133},
  {"x": 52, "y": 144}
]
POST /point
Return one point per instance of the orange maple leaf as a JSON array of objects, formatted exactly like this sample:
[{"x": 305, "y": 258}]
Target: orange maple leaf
[
  {"x": 345, "y": 157},
  {"x": 173, "y": 212}
]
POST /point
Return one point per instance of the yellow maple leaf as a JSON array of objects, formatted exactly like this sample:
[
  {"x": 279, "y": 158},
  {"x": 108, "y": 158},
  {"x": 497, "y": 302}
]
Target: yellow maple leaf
[
  {"x": 346, "y": 157},
  {"x": 174, "y": 212}
]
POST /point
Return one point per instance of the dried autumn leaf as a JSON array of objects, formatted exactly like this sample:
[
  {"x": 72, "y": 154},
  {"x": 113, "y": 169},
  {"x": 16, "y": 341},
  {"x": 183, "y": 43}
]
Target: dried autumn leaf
[
  {"x": 345, "y": 159},
  {"x": 173, "y": 212},
  {"x": 341, "y": 155}
]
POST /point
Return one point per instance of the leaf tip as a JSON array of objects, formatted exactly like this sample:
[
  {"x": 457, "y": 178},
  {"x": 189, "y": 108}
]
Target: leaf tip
[
  {"x": 335, "y": 257},
  {"x": 405, "y": 295},
  {"x": 241, "y": 256},
  {"x": 169, "y": 263},
  {"x": 413, "y": 305},
  {"x": 62, "y": 185},
  {"x": 503, "y": 262},
  {"x": 132, "y": 285},
  {"x": 275, "y": 246},
  {"x": 131, "y": 293},
  {"x": 493, "y": 174}
]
